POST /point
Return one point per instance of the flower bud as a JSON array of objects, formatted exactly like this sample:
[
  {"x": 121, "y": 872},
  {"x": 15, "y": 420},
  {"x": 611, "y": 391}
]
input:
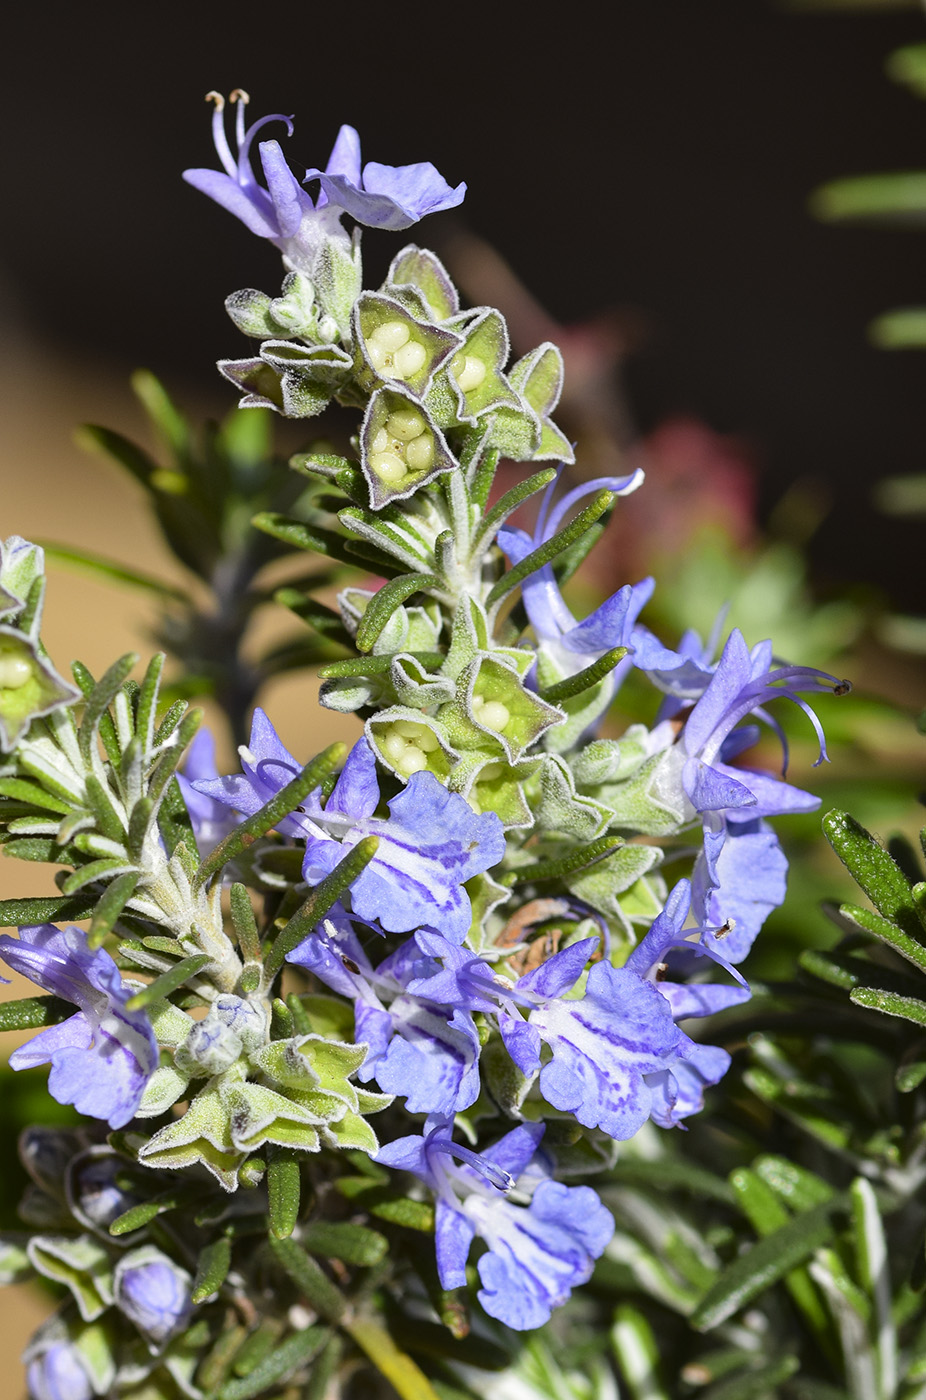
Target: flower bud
[
  {"x": 248, "y": 1019},
  {"x": 210, "y": 1048},
  {"x": 97, "y": 1189},
  {"x": 58, "y": 1373},
  {"x": 153, "y": 1292}
]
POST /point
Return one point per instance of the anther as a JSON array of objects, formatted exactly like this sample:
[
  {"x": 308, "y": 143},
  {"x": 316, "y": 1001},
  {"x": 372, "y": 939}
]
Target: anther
[
  {"x": 218, "y": 99},
  {"x": 239, "y": 95},
  {"x": 842, "y": 688}
]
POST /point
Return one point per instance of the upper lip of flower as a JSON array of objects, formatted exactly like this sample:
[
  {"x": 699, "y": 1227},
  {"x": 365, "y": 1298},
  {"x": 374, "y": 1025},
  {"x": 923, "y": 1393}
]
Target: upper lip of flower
[{"x": 382, "y": 196}]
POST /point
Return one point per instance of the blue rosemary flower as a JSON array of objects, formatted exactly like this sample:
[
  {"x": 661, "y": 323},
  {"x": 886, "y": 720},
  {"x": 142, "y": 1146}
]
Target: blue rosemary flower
[
  {"x": 543, "y": 1237},
  {"x": 381, "y": 196},
  {"x": 431, "y": 842},
  {"x": 571, "y": 645},
  {"x": 418, "y": 1048},
  {"x": 101, "y": 1058}
]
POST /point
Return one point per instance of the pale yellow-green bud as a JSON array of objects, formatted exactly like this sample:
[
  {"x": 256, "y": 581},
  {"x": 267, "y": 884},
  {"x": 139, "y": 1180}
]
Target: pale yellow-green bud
[
  {"x": 405, "y": 424},
  {"x": 419, "y": 454},
  {"x": 15, "y": 671},
  {"x": 468, "y": 370},
  {"x": 492, "y": 713}
]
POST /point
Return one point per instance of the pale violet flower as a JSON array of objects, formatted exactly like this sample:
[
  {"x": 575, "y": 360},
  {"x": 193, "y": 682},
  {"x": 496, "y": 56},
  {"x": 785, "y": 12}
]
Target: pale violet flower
[
  {"x": 543, "y": 1237},
  {"x": 59, "y": 1372},
  {"x": 381, "y": 196},
  {"x": 153, "y": 1292},
  {"x": 418, "y": 1048},
  {"x": 101, "y": 1058},
  {"x": 569, "y": 644},
  {"x": 429, "y": 845}
]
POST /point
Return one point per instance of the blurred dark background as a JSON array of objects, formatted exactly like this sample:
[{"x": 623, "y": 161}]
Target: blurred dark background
[{"x": 650, "y": 158}]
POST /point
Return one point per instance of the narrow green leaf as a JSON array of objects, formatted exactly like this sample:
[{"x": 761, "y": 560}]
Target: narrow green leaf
[
  {"x": 318, "y": 1385},
  {"x": 890, "y": 1003},
  {"x": 756, "y": 1384},
  {"x": 212, "y": 1269},
  {"x": 839, "y": 971},
  {"x": 168, "y": 982},
  {"x": 165, "y": 417},
  {"x": 35, "y": 795},
  {"x": 57, "y": 909},
  {"x": 110, "y": 905},
  {"x": 874, "y": 870},
  {"x": 273, "y": 811},
  {"x": 311, "y": 1280},
  {"x": 892, "y": 198},
  {"x": 888, "y": 932},
  {"x": 101, "y": 805},
  {"x": 259, "y": 1345},
  {"x": 302, "y": 1023},
  {"x": 903, "y": 329},
  {"x": 765, "y": 1212},
  {"x": 112, "y": 572},
  {"x": 578, "y": 859},
  {"x": 134, "y": 1218},
  {"x": 282, "y": 1025},
  {"x": 601, "y": 502},
  {"x": 244, "y": 923},
  {"x": 40, "y": 848},
  {"x": 28, "y": 1012},
  {"x": 100, "y": 698},
  {"x": 384, "y": 603},
  {"x": 378, "y": 665},
  {"x": 147, "y": 702},
  {"x": 139, "y": 826},
  {"x": 584, "y": 680},
  {"x": 766, "y": 1263},
  {"x": 316, "y": 540},
  {"x": 484, "y": 474},
  {"x": 289, "y": 1356},
  {"x": 396, "y": 1366},
  {"x": 314, "y": 614},
  {"x": 137, "y": 1216},
  {"x": 910, "y": 1077},
  {"x": 637, "y": 1353},
  {"x": 170, "y": 759},
  {"x": 95, "y": 870},
  {"x": 134, "y": 459},
  {"x": 214, "y": 1367},
  {"x": 799, "y": 1187},
  {"x": 506, "y": 505},
  {"x": 172, "y": 717},
  {"x": 320, "y": 900},
  {"x": 352, "y": 1244},
  {"x": 413, "y": 1215},
  {"x": 661, "y": 1177},
  {"x": 173, "y": 818},
  {"x": 284, "y": 1188}
]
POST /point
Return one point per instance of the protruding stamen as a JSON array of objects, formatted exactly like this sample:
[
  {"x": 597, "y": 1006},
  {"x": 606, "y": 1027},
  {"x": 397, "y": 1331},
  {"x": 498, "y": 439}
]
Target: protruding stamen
[
  {"x": 241, "y": 97},
  {"x": 497, "y": 1176},
  {"x": 219, "y": 139}
]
